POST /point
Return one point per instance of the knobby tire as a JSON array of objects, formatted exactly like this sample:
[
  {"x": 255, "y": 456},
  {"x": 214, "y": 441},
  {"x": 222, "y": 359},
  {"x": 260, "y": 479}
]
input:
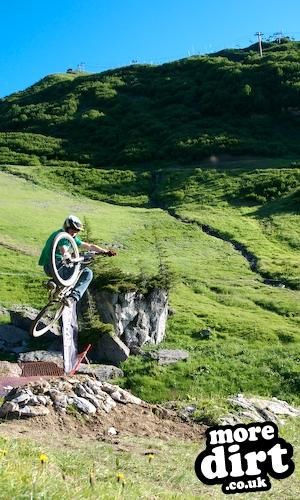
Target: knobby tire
[
  {"x": 75, "y": 267},
  {"x": 43, "y": 319}
]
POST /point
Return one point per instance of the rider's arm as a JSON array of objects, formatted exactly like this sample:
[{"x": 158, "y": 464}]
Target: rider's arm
[
  {"x": 94, "y": 248},
  {"x": 63, "y": 250}
]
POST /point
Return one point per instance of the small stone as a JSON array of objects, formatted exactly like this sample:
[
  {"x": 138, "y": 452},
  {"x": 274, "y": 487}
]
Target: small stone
[
  {"x": 87, "y": 388},
  {"x": 33, "y": 411},
  {"x": 108, "y": 404},
  {"x": 84, "y": 405},
  {"x": 22, "y": 399},
  {"x": 112, "y": 431},
  {"x": 44, "y": 400},
  {"x": 101, "y": 372},
  {"x": 187, "y": 412},
  {"x": 93, "y": 399},
  {"x": 45, "y": 387},
  {"x": 168, "y": 356},
  {"x": 80, "y": 390},
  {"x": 205, "y": 334},
  {"x": 9, "y": 407},
  {"x": 33, "y": 401},
  {"x": 59, "y": 398},
  {"x": 125, "y": 397},
  {"x": 95, "y": 386},
  {"x": 107, "y": 387},
  {"x": 64, "y": 386}
]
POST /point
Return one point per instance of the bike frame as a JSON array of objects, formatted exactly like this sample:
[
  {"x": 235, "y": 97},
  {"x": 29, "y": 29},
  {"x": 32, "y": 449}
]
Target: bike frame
[{"x": 58, "y": 294}]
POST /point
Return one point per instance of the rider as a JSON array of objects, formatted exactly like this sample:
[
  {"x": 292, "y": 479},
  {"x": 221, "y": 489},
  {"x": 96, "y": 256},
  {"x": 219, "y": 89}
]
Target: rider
[{"x": 72, "y": 225}]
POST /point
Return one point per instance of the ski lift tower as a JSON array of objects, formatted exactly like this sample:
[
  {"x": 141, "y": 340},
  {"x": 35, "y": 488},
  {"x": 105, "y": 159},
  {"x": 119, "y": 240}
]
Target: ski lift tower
[{"x": 259, "y": 34}]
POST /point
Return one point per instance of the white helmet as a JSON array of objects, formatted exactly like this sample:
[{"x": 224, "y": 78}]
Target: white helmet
[{"x": 73, "y": 222}]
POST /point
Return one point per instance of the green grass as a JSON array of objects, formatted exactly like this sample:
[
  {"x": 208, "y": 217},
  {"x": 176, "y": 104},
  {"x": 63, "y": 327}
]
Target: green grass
[
  {"x": 122, "y": 187},
  {"x": 89, "y": 469},
  {"x": 255, "y": 327}
]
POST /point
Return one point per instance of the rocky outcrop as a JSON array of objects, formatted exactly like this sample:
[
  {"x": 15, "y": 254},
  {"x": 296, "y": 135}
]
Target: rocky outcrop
[
  {"x": 22, "y": 317},
  {"x": 137, "y": 318},
  {"x": 111, "y": 349},
  {"x": 255, "y": 409},
  {"x": 83, "y": 394},
  {"x": 13, "y": 339}
]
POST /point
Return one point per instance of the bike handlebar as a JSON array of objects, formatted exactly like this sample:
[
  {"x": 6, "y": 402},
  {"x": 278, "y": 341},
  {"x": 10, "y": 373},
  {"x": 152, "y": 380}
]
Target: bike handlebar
[{"x": 90, "y": 255}]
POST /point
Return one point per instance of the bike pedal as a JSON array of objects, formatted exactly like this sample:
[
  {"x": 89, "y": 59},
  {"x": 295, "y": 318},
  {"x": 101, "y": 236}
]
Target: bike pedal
[{"x": 51, "y": 285}]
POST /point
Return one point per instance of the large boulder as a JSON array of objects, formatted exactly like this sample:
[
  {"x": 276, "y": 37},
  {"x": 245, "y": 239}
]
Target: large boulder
[
  {"x": 45, "y": 356},
  {"x": 23, "y": 316},
  {"x": 137, "y": 318},
  {"x": 8, "y": 369},
  {"x": 13, "y": 339},
  {"x": 110, "y": 349}
]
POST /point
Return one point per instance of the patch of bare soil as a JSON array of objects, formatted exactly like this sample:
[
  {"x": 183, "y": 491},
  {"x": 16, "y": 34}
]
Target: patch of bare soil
[
  {"x": 24, "y": 249},
  {"x": 128, "y": 420}
]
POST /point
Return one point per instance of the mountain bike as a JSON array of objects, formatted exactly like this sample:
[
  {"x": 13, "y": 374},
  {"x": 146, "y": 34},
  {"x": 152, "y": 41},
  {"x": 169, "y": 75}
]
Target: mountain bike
[{"x": 65, "y": 270}]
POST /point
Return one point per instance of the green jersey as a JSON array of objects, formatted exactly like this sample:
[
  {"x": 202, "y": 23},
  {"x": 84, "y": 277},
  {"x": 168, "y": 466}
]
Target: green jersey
[{"x": 46, "y": 252}]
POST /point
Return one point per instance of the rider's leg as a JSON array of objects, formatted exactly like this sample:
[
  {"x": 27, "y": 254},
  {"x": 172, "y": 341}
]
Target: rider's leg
[
  {"x": 64, "y": 272},
  {"x": 47, "y": 270},
  {"x": 83, "y": 282}
]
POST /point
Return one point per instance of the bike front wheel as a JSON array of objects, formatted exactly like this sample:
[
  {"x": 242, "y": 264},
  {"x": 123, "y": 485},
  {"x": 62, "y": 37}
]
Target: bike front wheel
[
  {"x": 47, "y": 318},
  {"x": 64, "y": 271}
]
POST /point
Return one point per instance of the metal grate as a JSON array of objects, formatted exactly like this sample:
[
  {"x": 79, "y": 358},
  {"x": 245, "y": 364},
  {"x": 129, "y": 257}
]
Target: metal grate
[{"x": 42, "y": 369}]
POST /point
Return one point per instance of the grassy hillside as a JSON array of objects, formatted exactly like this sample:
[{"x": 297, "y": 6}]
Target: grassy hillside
[
  {"x": 90, "y": 468},
  {"x": 230, "y": 102},
  {"x": 254, "y": 346},
  {"x": 173, "y": 165}
]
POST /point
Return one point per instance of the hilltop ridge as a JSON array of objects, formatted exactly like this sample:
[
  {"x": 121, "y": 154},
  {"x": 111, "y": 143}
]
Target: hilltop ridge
[{"x": 232, "y": 101}]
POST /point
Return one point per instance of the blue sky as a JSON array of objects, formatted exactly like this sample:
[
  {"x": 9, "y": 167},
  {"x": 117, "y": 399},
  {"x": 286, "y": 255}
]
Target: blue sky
[{"x": 40, "y": 37}]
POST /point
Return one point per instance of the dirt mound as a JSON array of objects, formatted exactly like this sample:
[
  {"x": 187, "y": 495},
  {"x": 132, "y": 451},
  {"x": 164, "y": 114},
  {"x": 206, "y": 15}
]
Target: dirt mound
[
  {"x": 140, "y": 421},
  {"x": 83, "y": 406}
]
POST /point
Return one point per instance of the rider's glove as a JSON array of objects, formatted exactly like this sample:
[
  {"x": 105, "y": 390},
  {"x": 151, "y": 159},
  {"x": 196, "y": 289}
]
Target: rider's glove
[{"x": 111, "y": 253}]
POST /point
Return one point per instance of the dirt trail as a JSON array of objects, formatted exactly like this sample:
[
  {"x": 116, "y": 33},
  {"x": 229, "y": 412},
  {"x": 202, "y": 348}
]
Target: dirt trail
[
  {"x": 242, "y": 249},
  {"x": 25, "y": 250}
]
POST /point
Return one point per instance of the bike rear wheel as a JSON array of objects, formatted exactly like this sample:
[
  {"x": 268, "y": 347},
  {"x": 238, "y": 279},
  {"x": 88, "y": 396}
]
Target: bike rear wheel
[
  {"x": 46, "y": 318},
  {"x": 64, "y": 272}
]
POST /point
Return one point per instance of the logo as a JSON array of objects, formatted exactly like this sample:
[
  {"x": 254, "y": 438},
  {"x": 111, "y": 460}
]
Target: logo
[{"x": 242, "y": 457}]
